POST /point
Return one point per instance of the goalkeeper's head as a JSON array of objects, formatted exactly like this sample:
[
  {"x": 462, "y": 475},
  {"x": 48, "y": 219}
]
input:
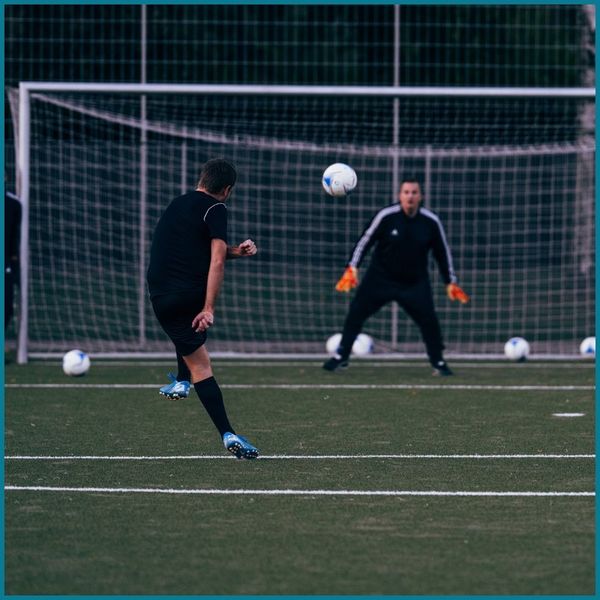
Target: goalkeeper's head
[
  {"x": 217, "y": 178},
  {"x": 410, "y": 196}
]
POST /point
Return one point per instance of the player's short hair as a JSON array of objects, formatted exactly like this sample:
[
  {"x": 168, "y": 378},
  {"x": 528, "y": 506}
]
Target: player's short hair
[
  {"x": 410, "y": 179},
  {"x": 217, "y": 174}
]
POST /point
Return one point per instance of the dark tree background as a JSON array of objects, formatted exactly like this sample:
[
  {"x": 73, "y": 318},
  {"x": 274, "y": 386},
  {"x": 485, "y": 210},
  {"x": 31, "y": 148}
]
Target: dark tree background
[{"x": 331, "y": 44}]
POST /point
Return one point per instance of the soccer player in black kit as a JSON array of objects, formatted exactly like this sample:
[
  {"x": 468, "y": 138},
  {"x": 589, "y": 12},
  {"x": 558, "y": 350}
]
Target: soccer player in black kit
[
  {"x": 187, "y": 263},
  {"x": 12, "y": 237},
  {"x": 403, "y": 235}
]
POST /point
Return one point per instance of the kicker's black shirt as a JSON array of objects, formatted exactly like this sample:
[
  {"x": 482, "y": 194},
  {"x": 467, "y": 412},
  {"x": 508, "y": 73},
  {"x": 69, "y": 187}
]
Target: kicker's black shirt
[
  {"x": 180, "y": 252},
  {"x": 402, "y": 245}
]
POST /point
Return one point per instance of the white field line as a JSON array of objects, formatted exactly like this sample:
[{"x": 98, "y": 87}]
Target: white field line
[
  {"x": 359, "y": 363},
  {"x": 568, "y": 415},
  {"x": 308, "y": 386},
  {"x": 286, "y": 492},
  {"x": 314, "y": 457}
]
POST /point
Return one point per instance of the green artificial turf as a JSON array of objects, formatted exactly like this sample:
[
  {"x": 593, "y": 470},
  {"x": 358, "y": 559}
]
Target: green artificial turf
[{"x": 268, "y": 526}]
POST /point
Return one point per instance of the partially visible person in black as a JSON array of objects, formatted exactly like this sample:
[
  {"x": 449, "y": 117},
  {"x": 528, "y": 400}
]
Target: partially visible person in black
[
  {"x": 403, "y": 235},
  {"x": 12, "y": 239},
  {"x": 187, "y": 265}
]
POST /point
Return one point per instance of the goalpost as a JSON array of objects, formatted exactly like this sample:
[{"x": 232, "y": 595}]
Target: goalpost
[{"x": 507, "y": 170}]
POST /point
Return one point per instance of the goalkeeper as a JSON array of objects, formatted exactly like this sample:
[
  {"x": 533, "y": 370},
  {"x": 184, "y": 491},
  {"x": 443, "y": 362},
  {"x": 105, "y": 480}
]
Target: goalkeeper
[{"x": 403, "y": 235}]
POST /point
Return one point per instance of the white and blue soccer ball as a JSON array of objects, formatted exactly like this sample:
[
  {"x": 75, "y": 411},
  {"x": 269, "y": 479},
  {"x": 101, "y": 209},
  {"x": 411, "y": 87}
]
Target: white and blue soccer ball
[
  {"x": 587, "y": 348},
  {"x": 363, "y": 344},
  {"x": 517, "y": 349},
  {"x": 332, "y": 343},
  {"x": 76, "y": 363},
  {"x": 339, "y": 179}
]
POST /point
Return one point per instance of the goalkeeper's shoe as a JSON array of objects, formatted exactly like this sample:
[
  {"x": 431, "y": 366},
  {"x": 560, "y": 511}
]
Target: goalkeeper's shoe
[
  {"x": 335, "y": 362},
  {"x": 239, "y": 446},
  {"x": 176, "y": 389},
  {"x": 441, "y": 369}
]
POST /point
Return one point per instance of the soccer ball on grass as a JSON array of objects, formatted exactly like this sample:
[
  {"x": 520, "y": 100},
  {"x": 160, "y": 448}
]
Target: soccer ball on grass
[
  {"x": 339, "y": 179},
  {"x": 517, "y": 348},
  {"x": 363, "y": 344},
  {"x": 76, "y": 363},
  {"x": 588, "y": 347}
]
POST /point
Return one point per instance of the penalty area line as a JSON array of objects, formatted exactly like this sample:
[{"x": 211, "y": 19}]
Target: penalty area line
[
  {"x": 307, "y": 457},
  {"x": 288, "y": 492},
  {"x": 316, "y": 386}
]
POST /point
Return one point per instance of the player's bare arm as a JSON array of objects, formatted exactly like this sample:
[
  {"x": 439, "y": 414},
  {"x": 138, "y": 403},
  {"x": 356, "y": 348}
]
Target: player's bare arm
[
  {"x": 218, "y": 255},
  {"x": 246, "y": 248}
]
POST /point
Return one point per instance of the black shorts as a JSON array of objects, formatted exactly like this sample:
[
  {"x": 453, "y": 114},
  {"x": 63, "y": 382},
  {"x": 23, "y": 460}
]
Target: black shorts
[{"x": 175, "y": 313}]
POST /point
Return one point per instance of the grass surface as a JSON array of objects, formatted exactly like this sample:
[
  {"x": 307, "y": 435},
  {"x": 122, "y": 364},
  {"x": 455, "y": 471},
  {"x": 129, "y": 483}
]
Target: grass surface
[{"x": 302, "y": 541}]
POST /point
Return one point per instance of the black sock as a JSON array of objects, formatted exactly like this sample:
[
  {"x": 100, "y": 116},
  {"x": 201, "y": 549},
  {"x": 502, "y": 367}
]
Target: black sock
[
  {"x": 183, "y": 372},
  {"x": 209, "y": 392}
]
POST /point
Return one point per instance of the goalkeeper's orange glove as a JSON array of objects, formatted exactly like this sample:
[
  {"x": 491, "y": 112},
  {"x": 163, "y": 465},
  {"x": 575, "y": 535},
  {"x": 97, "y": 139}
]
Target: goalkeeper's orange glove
[
  {"x": 348, "y": 280},
  {"x": 456, "y": 293}
]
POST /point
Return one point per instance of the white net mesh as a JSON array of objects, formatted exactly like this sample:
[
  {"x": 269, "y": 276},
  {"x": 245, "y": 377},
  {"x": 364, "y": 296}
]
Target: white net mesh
[{"x": 509, "y": 177}]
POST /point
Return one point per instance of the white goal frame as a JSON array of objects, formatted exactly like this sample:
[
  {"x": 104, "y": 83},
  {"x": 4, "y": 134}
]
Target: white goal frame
[{"x": 26, "y": 88}]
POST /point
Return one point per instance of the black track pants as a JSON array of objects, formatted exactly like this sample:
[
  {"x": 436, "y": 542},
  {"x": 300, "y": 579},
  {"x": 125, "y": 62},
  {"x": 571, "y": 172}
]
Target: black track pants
[{"x": 416, "y": 300}]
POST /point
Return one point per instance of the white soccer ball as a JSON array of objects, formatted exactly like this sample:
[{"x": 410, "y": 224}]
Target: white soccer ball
[
  {"x": 332, "y": 343},
  {"x": 362, "y": 346},
  {"x": 76, "y": 363},
  {"x": 339, "y": 179},
  {"x": 517, "y": 348},
  {"x": 588, "y": 347}
]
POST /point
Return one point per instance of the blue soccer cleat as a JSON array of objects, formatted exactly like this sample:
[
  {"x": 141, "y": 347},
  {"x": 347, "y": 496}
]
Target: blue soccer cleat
[
  {"x": 176, "y": 389},
  {"x": 239, "y": 446}
]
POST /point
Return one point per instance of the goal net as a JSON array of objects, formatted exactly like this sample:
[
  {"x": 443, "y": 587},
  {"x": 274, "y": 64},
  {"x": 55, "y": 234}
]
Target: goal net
[{"x": 510, "y": 175}]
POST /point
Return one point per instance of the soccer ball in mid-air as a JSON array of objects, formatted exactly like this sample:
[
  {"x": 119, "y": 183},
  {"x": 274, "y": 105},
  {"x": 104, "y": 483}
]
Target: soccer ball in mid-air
[
  {"x": 588, "y": 347},
  {"x": 363, "y": 344},
  {"x": 339, "y": 179},
  {"x": 76, "y": 363},
  {"x": 517, "y": 348}
]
